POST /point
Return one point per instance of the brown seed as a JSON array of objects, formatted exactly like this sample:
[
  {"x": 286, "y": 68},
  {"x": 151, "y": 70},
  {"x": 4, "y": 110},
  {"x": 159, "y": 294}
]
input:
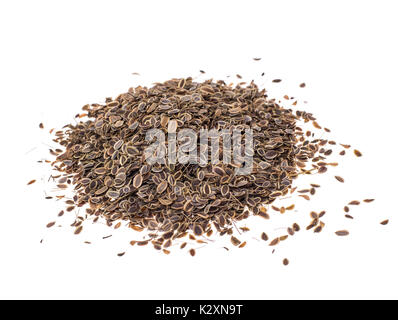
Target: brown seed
[
  {"x": 354, "y": 203},
  {"x": 291, "y": 207},
  {"x": 161, "y": 187},
  {"x": 357, "y": 153},
  {"x": 384, "y": 222},
  {"x": 342, "y": 233},
  {"x": 256, "y": 59},
  {"x": 198, "y": 230},
  {"x": 346, "y": 209},
  {"x": 78, "y": 230},
  {"x": 276, "y": 80},
  {"x": 313, "y": 215},
  {"x": 340, "y": 179},
  {"x": 296, "y": 227},
  {"x": 31, "y": 181},
  {"x": 342, "y": 153},
  {"x": 285, "y": 262},
  {"x": 302, "y": 85},
  {"x": 243, "y": 244},
  {"x": 121, "y": 254},
  {"x": 322, "y": 169},
  {"x": 274, "y": 242},
  {"x": 316, "y": 125},
  {"x": 235, "y": 241},
  {"x": 368, "y": 200},
  {"x": 137, "y": 181},
  {"x": 49, "y": 225},
  {"x": 349, "y": 216},
  {"x": 318, "y": 229},
  {"x": 264, "y": 236},
  {"x": 192, "y": 252}
]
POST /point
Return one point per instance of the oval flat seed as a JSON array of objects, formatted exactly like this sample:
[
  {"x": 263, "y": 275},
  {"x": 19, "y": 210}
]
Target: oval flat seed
[
  {"x": 137, "y": 181},
  {"x": 342, "y": 233}
]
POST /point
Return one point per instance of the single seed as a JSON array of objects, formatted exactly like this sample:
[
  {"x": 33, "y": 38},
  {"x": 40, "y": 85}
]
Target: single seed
[
  {"x": 340, "y": 179},
  {"x": 357, "y": 153},
  {"x": 49, "y": 225},
  {"x": 285, "y": 262}
]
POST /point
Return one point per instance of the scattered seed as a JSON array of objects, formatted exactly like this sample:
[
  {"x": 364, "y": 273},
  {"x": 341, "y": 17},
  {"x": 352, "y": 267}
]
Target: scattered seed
[
  {"x": 78, "y": 230},
  {"x": 285, "y": 262},
  {"x": 357, "y": 153},
  {"x": 340, "y": 179},
  {"x": 49, "y": 225},
  {"x": 342, "y": 233}
]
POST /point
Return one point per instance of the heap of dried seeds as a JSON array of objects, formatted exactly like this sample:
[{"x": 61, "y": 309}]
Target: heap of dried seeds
[{"x": 103, "y": 160}]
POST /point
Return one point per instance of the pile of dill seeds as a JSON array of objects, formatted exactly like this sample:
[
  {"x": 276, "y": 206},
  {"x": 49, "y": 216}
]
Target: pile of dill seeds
[{"x": 101, "y": 159}]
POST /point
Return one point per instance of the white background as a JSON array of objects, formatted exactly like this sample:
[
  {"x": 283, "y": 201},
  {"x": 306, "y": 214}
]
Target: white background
[{"x": 56, "y": 56}]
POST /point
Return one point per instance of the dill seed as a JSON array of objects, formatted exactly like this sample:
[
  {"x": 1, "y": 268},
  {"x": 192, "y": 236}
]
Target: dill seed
[
  {"x": 285, "y": 262},
  {"x": 340, "y": 179},
  {"x": 342, "y": 233}
]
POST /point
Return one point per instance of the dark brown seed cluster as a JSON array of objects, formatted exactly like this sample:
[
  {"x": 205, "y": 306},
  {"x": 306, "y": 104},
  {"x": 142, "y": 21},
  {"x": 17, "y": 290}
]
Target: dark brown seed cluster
[{"x": 103, "y": 160}]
